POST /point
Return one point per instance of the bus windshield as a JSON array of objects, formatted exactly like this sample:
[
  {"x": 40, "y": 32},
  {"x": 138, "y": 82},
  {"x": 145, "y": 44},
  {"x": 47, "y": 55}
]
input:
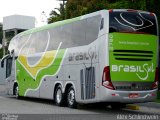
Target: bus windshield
[{"x": 132, "y": 22}]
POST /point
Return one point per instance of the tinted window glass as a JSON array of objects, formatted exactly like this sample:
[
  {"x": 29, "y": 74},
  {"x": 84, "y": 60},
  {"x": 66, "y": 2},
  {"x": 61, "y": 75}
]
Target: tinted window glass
[
  {"x": 132, "y": 22},
  {"x": 8, "y": 67},
  {"x": 79, "y": 33},
  {"x": 66, "y": 38},
  {"x": 20, "y": 41},
  {"x": 55, "y": 38},
  {"x": 34, "y": 43},
  {"x": 41, "y": 41},
  {"x": 92, "y": 28},
  {"x": 22, "y": 44},
  {"x": 13, "y": 45}
]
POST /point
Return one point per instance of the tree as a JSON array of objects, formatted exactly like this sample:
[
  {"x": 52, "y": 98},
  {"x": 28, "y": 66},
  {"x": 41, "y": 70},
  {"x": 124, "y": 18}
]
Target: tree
[
  {"x": 74, "y": 8},
  {"x": 56, "y": 15}
]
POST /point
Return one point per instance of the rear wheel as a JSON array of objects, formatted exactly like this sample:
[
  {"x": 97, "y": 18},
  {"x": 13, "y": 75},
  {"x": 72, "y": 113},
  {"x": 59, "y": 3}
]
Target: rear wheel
[
  {"x": 59, "y": 97},
  {"x": 71, "y": 101}
]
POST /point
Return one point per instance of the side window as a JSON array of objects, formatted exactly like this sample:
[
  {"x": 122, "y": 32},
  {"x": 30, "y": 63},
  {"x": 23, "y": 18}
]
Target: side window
[
  {"x": 34, "y": 43},
  {"x": 55, "y": 38},
  {"x": 8, "y": 67},
  {"x": 79, "y": 33},
  {"x": 61, "y": 34},
  {"x": 20, "y": 44},
  {"x": 41, "y": 40},
  {"x": 92, "y": 28},
  {"x": 66, "y": 37},
  {"x": 14, "y": 45},
  {"x": 23, "y": 44}
]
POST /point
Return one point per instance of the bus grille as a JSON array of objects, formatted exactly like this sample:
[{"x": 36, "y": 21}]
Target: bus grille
[
  {"x": 87, "y": 77},
  {"x": 133, "y": 55}
]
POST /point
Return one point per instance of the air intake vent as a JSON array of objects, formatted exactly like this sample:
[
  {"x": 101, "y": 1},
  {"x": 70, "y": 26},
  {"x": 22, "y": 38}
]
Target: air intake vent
[
  {"x": 87, "y": 83},
  {"x": 133, "y": 55}
]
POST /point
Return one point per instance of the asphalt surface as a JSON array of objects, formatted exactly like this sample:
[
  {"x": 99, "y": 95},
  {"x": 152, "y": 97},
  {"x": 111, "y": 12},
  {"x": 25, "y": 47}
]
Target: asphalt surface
[{"x": 40, "y": 109}]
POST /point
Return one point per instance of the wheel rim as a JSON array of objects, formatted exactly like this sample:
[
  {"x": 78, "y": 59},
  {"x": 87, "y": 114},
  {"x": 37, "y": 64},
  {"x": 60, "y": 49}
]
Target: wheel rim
[
  {"x": 71, "y": 97},
  {"x": 59, "y": 96}
]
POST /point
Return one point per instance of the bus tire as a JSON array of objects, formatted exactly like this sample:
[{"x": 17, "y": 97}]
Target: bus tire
[
  {"x": 59, "y": 97},
  {"x": 71, "y": 101},
  {"x": 16, "y": 93}
]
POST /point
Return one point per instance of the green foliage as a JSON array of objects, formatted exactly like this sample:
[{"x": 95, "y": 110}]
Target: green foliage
[
  {"x": 57, "y": 14},
  {"x": 1, "y": 33},
  {"x": 1, "y": 53},
  {"x": 1, "y": 36},
  {"x": 74, "y": 8},
  {"x": 128, "y": 4}
]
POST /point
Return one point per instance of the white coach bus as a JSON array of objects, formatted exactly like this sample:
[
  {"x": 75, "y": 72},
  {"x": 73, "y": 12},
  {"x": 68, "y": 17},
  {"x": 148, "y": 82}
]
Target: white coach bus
[{"x": 109, "y": 56}]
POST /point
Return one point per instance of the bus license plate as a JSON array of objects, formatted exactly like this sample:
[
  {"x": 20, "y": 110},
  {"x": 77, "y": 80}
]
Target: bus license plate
[{"x": 133, "y": 95}]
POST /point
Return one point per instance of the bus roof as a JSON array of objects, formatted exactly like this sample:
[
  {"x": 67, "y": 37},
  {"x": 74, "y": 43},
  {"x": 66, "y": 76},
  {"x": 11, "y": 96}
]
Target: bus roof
[
  {"x": 128, "y": 10},
  {"x": 57, "y": 24},
  {"x": 60, "y": 23}
]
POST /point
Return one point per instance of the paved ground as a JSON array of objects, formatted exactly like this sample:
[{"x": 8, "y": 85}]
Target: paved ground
[
  {"x": 28, "y": 109},
  {"x": 150, "y": 105},
  {"x": 2, "y": 89}
]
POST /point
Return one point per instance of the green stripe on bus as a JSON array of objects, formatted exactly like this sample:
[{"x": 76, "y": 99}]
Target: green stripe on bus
[{"x": 26, "y": 81}]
